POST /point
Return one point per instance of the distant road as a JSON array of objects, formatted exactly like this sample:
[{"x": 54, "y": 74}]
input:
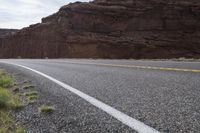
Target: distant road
[{"x": 143, "y": 96}]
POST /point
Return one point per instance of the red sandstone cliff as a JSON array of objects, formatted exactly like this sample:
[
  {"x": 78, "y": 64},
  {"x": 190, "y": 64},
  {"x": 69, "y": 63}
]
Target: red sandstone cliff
[{"x": 112, "y": 29}]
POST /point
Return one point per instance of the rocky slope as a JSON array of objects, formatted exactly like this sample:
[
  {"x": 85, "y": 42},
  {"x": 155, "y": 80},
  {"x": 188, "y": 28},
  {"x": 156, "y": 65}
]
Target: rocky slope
[{"x": 112, "y": 29}]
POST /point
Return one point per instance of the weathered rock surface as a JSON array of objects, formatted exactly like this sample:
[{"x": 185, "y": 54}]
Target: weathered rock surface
[
  {"x": 112, "y": 29},
  {"x": 4, "y": 33}
]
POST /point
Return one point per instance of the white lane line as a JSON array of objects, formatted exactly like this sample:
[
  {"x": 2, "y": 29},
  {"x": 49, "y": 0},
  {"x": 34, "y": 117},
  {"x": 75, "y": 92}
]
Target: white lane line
[{"x": 125, "y": 119}]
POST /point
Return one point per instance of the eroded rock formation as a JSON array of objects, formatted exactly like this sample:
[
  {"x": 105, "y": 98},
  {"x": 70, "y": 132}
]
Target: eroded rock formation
[
  {"x": 3, "y": 34},
  {"x": 112, "y": 29}
]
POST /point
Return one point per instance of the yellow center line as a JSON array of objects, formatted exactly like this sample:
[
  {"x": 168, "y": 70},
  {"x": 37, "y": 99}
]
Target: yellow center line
[{"x": 135, "y": 66}]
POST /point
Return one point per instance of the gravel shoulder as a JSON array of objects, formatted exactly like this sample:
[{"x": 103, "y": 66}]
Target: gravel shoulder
[{"x": 71, "y": 114}]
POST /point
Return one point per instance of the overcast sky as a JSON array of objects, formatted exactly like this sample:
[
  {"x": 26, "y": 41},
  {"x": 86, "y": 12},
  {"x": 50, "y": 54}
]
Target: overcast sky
[{"x": 22, "y": 13}]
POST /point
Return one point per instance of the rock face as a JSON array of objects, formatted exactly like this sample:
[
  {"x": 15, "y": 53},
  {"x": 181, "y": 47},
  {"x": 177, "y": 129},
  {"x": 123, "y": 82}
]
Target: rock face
[
  {"x": 7, "y": 32},
  {"x": 112, "y": 29},
  {"x": 3, "y": 34}
]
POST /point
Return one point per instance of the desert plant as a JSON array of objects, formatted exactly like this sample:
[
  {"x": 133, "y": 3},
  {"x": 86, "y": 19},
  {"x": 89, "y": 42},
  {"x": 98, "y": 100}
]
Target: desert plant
[
  {"x": 5, "y": 97},
  {"x": 5, "y": 121},
  {"x": 15, "y": 102},
  {"x": 46, "y": 109},
  {"x": 8, "y": 101},
  {"x": 32, "y": 93},
  {"x": 5, "y": 81},
  {"x": 25, "y": 87},
  {"x": 8, "y": 125},
  {"x": 32, "y": 96}
]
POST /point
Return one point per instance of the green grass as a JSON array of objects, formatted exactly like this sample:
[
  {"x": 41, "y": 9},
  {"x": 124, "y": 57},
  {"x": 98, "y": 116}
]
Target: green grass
[
  {"x": 5, "y": 97},
  {"x": 8, "y": 101},
  {"x": 16, "y": 102},
  {"x": 32, "y": 98},
  {"x": 25, "y": 87},
  {"x": 32, "y": 93},
  {"x": 46, "y": 109},
  {"x": 6, "y": 122},
  {"x": 8, "y": 125},
  {"x": 5, "y": 81}
]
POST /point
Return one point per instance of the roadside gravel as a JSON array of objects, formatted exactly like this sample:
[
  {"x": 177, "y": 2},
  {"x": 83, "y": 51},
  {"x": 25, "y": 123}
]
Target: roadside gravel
[{"x": 71, "y": 114}]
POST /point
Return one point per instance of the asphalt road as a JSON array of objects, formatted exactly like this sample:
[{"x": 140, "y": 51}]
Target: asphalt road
[{"x": 164, "y": 95}]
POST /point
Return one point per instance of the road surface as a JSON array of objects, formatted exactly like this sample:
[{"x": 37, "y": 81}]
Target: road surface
[{"x": 161, "y": 96}]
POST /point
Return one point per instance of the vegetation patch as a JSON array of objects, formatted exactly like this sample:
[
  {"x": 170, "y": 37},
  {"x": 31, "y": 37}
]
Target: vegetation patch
[
  {"x": 8, "y": 102},
  {"x": 7, "y": 124},
  {"x": 25, "y": 87},
  {"x": 5, "y": 80},
  {"x": 16, "y": 102},
  {"x": 32, "y": 93},
  {"x": 11, "y": 98},
  {"x": 5, "y": 97},
  {"x": 32, "y": 98},
  {"x": 46, "y": 109}
]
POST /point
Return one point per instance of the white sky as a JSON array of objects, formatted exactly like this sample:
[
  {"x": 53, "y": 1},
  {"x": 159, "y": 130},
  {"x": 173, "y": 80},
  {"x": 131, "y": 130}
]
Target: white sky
[{"x": 21, "y": 13}]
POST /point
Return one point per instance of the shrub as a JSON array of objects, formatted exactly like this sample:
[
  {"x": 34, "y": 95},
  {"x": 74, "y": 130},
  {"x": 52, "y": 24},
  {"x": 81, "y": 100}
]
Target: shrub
[
  {"x": 5, "y": 81},
  {"x": 46, "y": 109},
  {"x": 5, "y": 97},
  {"x": 15, "y": 102}
]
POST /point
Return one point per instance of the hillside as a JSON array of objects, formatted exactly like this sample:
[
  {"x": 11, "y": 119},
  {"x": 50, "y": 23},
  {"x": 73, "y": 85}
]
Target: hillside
[
  {"x": 6, "y": 32},
  {"x": 112, "y": 29}
]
